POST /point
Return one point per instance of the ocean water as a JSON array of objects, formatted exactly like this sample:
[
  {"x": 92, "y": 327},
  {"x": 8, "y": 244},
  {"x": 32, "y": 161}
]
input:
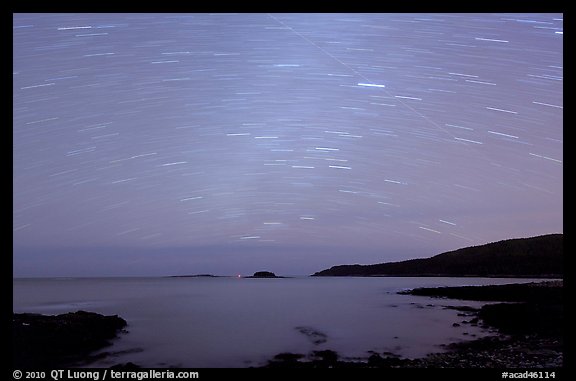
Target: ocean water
[{"x": 232, "y": 322}]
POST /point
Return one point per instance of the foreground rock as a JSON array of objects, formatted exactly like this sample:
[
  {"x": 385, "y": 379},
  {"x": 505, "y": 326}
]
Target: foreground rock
[
  {"x": 514, "y": 352},
  {"x": 517, "y": 352},
  {"x": 537, "y": 308},
  {"x": 61, "y": 340}
]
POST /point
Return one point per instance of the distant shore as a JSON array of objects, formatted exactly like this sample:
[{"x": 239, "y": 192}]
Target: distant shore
[{"x": 532, "y": 257}]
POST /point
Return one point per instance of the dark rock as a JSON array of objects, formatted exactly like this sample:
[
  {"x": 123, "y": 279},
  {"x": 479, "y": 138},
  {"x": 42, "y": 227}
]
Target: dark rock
[
  {"x": 316, "y": 337},
  {"x": 377, "y": 361},
  {"x": 461, "y": 308},
  {"x": 61, "y": 340},
  {"x": 455, "y": 325},
  {"x": 264, "y": 274},
  {"x": 288, "y": 356},
  {"x": 524, "y": 318},
  {"x": 327, "y": 357},
  {"x": 543, "y": 292},
  {"x": 126, "y": 366},
  {"x": 286, "y": 360}
]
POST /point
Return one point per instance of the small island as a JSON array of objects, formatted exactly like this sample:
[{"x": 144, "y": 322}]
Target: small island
[
  {"x": 196, "y": 276},
  {"x": 264, "y": 274}
]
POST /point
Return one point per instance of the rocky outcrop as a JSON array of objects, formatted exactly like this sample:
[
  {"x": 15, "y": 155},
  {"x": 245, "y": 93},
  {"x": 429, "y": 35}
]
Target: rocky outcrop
[
  {"x": 537, "y": 307},
  {"x": 548, "y": 292},
  {"x": 61, "y": 340}
]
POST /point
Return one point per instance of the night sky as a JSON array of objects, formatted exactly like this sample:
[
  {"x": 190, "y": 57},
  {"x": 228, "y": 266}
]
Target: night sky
[{"x": 157, "y": 144}]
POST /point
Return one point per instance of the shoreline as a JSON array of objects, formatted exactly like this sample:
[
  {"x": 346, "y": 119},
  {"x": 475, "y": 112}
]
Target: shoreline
[
  {"x": 527, "y": 318},
  {"x": 528, "y": 324},
  {"x": 495, "y": 352}
]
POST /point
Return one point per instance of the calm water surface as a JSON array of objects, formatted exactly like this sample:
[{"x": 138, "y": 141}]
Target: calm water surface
[{"x": 230, "y": 322}]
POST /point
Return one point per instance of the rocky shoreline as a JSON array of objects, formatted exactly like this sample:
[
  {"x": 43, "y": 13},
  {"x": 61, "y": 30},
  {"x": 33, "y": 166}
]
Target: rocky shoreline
[
  {"x": 517, "y": 352},
  {"x": 529, "y": 326},
  {"x": 61, "y": 340}
]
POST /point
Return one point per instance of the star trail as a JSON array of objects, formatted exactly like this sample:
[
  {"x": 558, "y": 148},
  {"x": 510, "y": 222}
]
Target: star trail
[{"x": 224, "y": 142}]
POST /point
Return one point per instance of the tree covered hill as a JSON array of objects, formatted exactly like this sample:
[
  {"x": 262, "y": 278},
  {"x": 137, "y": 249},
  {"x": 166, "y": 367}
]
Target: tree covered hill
[{"x": 540, "y": 256}]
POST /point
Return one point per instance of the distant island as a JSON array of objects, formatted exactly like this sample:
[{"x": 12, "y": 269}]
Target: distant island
[
  {"x": 264, "y": 274},
  {"x": 257, "y": 274},
  {"x": 197, "y": 276},
  {"x": 535, "y": 257}
]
